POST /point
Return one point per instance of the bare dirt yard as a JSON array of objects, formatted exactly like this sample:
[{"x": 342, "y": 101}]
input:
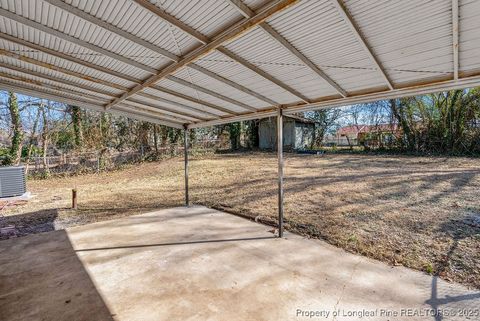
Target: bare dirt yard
[{"x": 421, "y": 212}]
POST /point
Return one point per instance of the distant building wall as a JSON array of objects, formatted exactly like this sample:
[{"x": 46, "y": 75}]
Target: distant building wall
[
  {"x": 295, "y": 134},
  {"x": 304, "y": 135}
]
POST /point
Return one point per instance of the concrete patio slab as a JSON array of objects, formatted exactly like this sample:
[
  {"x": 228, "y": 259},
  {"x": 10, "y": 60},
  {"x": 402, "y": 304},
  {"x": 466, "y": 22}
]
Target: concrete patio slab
[{"x": 202, "y": 264}]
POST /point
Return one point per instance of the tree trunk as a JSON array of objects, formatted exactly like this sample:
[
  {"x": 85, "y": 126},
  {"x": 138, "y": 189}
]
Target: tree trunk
[
  {"x": 155, "y": 137},
  {"x": 31, "y": 140},
  {"x": 234, "y": 130},
  {"x": 45, "y": 141},
  {"x": 399, "y": 114},
  {"x": 17, "y": 137},
  {"x": 76, "y": 114},
  {"x": 143, "y": 136}
]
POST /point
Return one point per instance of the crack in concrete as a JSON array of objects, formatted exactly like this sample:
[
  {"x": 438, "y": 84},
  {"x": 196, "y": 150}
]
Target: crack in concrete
[{"x": 343, "y": 288}]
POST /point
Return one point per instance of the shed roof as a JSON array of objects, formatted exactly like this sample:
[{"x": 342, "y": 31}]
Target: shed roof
[{"x": 199, "y": 63}]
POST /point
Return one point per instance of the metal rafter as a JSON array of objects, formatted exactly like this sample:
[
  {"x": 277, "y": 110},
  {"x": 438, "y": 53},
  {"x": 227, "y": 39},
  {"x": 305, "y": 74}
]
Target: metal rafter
[
  {"x": 154, "y": 111},
  {"x": 410, "y": 91},
  {"x": 111, "y": 28},
  {"x": 60, "y": 69},
  {"x": 203, "y": 39},
  {"x": 228, "y": 35},
  {"x": 342, "y": 10},
  {"x": 261, "y": 73},
  {"x": 114, "y": 29},
  {"x": 232, "y": 84},
  {"x": 167, "y": 111},
  {"x": 455, "y": 30},
  {"x": 192, "y": 99},
  {"x": 64, "y": 56},
  {"x": 96, "y": 80},
  {"x": 94, "y": 99},
  {"x": 248, "y": 13},
  {"x": 173, "y": 21},
  {"x": 26, "y": 90},
  {"x": 107, "y": 71},
  {"x": 171, "y": 102},
  {"x": 33, "y": 24},
  {"x": 63, "y": 81},
  {"x": 209, "y": 92}
]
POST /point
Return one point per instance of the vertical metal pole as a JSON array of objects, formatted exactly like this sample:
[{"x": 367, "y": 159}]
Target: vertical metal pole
[
  {"x": 280, "y": 170},
  {"x": 185, "y": 153}
]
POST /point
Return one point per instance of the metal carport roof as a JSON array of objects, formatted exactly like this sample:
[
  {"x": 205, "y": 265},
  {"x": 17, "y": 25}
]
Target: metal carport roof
[{"x": 198, "y": 63}]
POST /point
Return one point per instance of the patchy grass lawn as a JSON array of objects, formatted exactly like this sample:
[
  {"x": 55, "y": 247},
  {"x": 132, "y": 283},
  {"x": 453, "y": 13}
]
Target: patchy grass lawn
[{"x": 420, "y": 212}]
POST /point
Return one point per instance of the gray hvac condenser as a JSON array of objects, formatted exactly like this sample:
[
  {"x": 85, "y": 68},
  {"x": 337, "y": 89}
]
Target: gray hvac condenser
[{"x": 12, "y": 181}]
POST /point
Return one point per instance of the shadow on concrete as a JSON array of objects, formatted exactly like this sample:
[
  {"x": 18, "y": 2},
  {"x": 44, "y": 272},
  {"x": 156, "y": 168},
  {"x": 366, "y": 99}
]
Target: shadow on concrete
[
  {"x": 176, "y": 243},
  {"x": 457, "y": 229},
  {"x": 43, "y": 279},
  {"x": 30, "y": 223},
  {"x": 439, "y": 304}
]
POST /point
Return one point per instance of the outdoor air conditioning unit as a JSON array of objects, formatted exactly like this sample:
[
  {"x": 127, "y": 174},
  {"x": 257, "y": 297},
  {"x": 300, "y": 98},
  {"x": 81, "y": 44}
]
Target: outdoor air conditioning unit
[{"x": 12, "y": 181}]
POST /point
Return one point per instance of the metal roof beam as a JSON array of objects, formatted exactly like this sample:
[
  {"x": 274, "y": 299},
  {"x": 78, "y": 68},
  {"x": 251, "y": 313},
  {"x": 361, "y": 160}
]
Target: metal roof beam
[
  {"x": 92, "y": 89},
  {"x": 60, "y": 69},
  {"x": 114, "y": 29},
  {"x": 88, "y": 98},
  {"x": 173, "y": 21},
  {"x": 171, "y": 102},
  {"x": 261, "y": 73},
  {"x": 342, "y": 10},
  {"x": 413, "y": 90},
  {"x": 210, "y": 92},
  {"x": 107, "y": 26},
  {"x": 93, "y": 98},
  {"x": 203, "y": 39},
  {"x": 232, "y": 84},
  {"x": 169, "y": 111},
  {"x": 22, "y": 89},
  {"x": 228, "y": 35},
  {"x": 33, "y": 24},
  {"x": 82, "y": 14},
  {"x": 455, "y": 30},
  {"x": 247, "y": 12},
  {"x": 275, "y": 35},
  {"x": 101, "y": 69},
  {"x": 62, "y": 81},
  {"x": 64, "y": 56},
  {"x": 144, "y": 112},
  {"x": 192, "y": 99}
]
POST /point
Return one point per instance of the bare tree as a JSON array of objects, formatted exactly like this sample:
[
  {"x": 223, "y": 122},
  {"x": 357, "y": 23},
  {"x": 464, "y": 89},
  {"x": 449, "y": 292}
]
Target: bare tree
[
  {"x": 17, "y": 131},
  {"x": 45, "y": 137}
]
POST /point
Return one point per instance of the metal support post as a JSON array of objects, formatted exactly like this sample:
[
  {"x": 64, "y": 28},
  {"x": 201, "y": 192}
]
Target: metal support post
[
  {"x": 185, "y": 151},
  {"x": 280, "y": 170}
]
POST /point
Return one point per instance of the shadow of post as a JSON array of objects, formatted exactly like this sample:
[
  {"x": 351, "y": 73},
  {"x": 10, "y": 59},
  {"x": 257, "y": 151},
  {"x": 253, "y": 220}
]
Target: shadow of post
[{"x": 457, "y": 229}]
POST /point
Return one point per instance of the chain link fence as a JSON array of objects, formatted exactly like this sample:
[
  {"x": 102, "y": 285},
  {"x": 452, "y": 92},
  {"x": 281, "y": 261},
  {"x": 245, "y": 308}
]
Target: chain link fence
[{"x": 106, "y": 160}]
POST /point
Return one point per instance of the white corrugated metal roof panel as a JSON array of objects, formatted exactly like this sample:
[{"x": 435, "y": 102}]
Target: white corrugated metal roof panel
[
  {"x": 413, "y": 39},
  {"x": 62, "y": 63},
  {"x": 228, "y": 68},
  {"x": 469, "y": 35},
  {"x": 324, "y": 38},
  {"x": 136, "y": 20},
  {"x": 34, "y": 70},
  {"x": 111, "y": 52},
  {"x": 71, "y": 25},
  {"x": 51, "y": 87},
  {"x": 209, "y": 17},
  {"x": 193, "y": 104},
  {"x": 267, "y": 54},
  {"x": 200, "y": 95},
  {"x": 35, "y": 36}
]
